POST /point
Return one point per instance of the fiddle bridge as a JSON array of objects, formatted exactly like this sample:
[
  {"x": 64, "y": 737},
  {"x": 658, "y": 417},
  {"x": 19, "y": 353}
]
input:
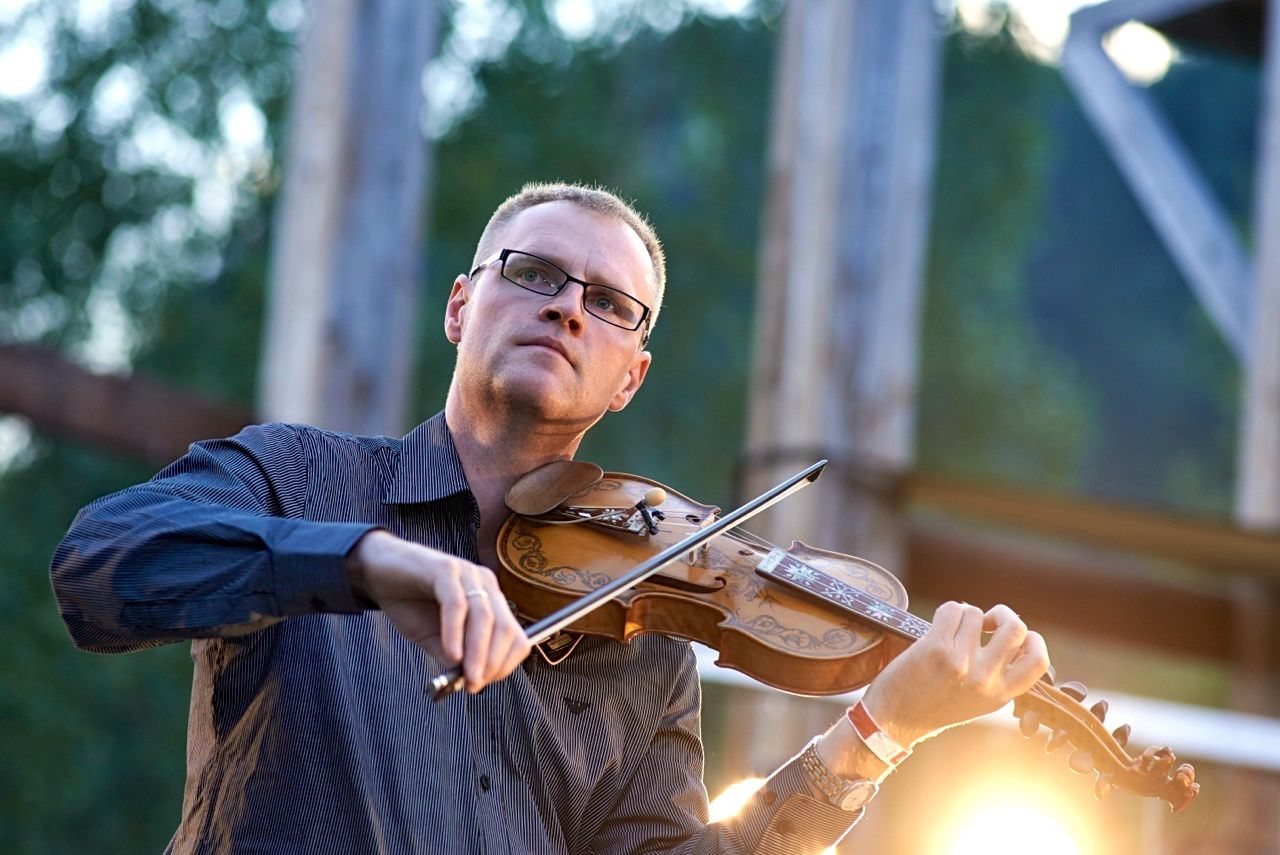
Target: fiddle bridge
[{"x": 619, "y": 519}]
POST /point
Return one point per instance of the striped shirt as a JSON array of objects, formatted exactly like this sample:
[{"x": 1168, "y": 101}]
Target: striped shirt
[{"x": 310, "y": 728}]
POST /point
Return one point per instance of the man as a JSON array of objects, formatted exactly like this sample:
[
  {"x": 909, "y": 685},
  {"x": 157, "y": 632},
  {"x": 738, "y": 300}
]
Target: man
[{"x": 325, "y": 578}]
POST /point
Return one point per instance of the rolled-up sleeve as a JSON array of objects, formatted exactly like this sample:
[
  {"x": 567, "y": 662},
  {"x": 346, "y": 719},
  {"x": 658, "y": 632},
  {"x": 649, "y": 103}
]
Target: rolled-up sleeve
[{"x": 214, "y": 545}]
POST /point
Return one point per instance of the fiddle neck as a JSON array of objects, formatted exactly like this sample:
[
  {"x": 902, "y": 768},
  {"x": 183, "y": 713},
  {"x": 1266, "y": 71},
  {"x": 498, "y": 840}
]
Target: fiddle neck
[{"x": 781, "y": 566}]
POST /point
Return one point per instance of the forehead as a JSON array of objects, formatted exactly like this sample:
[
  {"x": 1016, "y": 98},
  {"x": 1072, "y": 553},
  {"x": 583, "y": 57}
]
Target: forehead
[{"x": 589, "y": 245}]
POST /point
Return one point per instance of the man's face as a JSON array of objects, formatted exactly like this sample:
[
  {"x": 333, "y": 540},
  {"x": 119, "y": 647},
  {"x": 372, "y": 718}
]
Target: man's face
[{"x": 545, "y": 355}]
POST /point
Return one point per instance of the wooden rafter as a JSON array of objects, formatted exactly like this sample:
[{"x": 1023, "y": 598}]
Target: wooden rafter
[
  {"x": 134, "y": 416},
  {"x": 1172, "y": 191}
]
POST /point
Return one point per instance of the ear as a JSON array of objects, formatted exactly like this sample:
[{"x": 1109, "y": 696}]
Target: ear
[
  {"x": 632, "y": 381},
  {"x": 455, "y": 309}
]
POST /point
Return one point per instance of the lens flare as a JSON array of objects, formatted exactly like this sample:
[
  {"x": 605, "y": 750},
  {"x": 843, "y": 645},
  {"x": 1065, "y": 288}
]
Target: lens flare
[
  {"x": 1006, "y": 829},
  {"x": 733, "y": 797}
]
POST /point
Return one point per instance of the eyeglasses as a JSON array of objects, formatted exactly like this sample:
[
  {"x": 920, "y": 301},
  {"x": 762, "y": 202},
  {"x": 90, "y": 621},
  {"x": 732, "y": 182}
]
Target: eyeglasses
[{"x": 542, "y": 277}]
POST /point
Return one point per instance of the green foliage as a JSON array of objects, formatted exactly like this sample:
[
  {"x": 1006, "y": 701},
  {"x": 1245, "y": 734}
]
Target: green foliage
[{"x": 994, "y": 401}]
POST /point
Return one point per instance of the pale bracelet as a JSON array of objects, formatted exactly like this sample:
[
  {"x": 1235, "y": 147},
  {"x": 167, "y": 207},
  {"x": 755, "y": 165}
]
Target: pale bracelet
[{"x": 881, "y": 744}]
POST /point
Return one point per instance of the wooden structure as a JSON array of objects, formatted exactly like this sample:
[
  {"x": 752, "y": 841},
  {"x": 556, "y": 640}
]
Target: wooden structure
[
  {"x": 348, "y": 254},
  {"x": 827, "y": 384}
]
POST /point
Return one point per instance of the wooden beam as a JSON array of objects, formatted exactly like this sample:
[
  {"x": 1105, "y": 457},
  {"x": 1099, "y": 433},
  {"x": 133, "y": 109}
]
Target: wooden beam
[
  {"x": 1106, "y": 596},
  {"x": 1189, "y": 219},
  {"x": 129, "y": 415},
  {"x": 1187, "y": 540}
]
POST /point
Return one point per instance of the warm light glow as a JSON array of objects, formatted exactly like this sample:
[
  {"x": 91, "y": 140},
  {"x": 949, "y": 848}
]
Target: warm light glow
[
  {"x": 1009, "y": 829},
  {"x": 734, "y": 796},
  {"x": 731, "y": 800}
]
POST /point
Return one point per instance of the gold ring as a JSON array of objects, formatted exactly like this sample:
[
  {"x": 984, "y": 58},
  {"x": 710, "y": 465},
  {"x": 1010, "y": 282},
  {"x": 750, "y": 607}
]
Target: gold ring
[{"x": 484, "y": 595}]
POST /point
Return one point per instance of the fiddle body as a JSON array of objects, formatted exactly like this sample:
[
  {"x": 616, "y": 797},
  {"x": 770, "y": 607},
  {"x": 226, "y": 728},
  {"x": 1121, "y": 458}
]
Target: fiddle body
[{"x": 714, "y": 596}]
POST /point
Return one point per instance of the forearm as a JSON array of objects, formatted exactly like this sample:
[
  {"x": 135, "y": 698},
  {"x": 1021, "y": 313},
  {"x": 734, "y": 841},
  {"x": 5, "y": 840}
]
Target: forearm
[{"x": 145, "y": 567}]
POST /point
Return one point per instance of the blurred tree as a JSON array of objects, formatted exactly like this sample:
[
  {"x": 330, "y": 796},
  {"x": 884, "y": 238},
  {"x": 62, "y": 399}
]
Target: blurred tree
[{"x": 135, "y": 179}]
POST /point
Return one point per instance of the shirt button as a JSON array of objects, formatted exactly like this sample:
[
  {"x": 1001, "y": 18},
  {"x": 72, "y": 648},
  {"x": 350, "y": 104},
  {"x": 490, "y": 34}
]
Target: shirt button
[
  {"x": 484, "y": 783},
  {"x": 786, "y": 827},
  {"x": 768, "y": 796}
]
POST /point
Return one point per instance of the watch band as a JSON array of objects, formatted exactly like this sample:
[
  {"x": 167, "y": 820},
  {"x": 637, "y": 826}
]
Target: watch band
[
  {"x": 881, "y": 744},
  {"x": 848, "y": 795}
]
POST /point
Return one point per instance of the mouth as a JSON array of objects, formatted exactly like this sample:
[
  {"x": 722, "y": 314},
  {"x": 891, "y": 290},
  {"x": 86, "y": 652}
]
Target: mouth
[{"x": 549, "y": 344}]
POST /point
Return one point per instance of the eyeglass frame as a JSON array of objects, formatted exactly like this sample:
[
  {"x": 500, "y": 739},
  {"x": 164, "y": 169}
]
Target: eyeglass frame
[{"x": 502, "y": 255}]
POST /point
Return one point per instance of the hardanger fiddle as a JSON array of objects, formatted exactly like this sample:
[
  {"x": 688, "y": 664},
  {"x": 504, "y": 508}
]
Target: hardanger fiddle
[{"x": 618, "y": 555}]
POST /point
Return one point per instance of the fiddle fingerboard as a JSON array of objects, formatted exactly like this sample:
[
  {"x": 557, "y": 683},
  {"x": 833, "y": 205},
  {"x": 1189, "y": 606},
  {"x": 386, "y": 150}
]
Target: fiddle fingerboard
[{"x": 782, "y": 567}]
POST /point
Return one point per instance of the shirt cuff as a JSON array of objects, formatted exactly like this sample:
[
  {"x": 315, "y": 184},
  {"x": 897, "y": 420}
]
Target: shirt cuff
[
  {"x": 309, "y": 566},
  {"x": 786, "y": 816}
]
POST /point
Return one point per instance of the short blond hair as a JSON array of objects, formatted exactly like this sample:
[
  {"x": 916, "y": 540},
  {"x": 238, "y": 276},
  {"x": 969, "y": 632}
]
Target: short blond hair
[{"x": 592, "y": 198}]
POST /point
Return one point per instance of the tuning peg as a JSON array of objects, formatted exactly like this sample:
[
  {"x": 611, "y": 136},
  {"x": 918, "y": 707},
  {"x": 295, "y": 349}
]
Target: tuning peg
[
  {"x": 1121, "y": 735},
  {"x": 1080, "y": 762},
  {"x": 1048, "y": 676},
  {"x": 1099, "y": 710},
  {"x": 1074, "y": 689},
  {"x": 1156, "y": 760},
  {"x": 1029, "y": 723},
  {"x": 1103, "y": 786},
  {"x": 1056, "y": 741}
]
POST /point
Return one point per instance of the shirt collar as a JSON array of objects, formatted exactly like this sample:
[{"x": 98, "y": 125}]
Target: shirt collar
[{"x": 428, "y": 467}]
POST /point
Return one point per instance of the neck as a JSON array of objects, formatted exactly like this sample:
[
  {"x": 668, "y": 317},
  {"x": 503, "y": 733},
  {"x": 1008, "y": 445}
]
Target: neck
[{"x": 497, "y": 446}]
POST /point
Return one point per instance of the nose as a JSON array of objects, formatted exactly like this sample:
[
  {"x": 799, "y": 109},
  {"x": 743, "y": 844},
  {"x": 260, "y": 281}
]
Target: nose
[{"x": 565, "y": 308}]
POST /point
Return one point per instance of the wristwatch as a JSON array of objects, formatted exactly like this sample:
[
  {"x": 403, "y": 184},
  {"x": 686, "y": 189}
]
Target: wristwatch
[{"x": 848, "y": 795}]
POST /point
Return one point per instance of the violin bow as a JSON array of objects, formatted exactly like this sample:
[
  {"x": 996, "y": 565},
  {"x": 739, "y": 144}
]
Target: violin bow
[{"x": 451, "y": 681}]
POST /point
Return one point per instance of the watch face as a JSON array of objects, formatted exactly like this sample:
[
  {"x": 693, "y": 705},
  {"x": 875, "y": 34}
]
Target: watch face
[{"x": 857, "y": 795}]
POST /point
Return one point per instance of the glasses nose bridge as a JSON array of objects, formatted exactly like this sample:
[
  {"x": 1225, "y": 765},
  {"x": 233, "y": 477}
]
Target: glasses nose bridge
[{"x": 566, "y": 302}]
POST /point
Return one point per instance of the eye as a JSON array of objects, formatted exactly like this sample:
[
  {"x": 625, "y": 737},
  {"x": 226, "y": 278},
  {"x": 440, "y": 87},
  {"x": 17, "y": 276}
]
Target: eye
[
  {"x": 532, "y": 277},
  {"x": 605, "y": 303}
]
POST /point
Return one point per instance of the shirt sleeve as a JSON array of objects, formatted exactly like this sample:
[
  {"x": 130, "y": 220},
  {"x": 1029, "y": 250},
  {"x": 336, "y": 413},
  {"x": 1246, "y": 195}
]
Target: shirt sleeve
[
  {"x": 664, "y": 808},
  {"x": 214, "y": 545}
]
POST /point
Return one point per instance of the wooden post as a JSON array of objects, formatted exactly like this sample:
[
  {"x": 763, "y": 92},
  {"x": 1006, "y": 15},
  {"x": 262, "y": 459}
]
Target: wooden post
[
  {"x": 1258, "y": 492},
  {"x": 1252, "y": 822},
  {"x": 347, "y": 259},
  {"x": 849, "y": 177},
  {"x": 848, "y": 190}
]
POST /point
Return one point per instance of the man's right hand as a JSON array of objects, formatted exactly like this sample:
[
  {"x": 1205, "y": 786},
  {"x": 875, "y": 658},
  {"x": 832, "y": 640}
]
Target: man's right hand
[{"x": 452, "y": 608}]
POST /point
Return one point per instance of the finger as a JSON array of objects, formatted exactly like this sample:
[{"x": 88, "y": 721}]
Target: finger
[
  {"x": 507, "y": 633},
  {"x": 513, "y": 649},
  {"x": 479, "y": 632},
  {"x": 1031, "y": 663},
  {"x": 946, "y": 619},
  {"x": 1009, "y": 631},
  {"x": 452, "y": 601},
  {"x": 968, "y": 635}
]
